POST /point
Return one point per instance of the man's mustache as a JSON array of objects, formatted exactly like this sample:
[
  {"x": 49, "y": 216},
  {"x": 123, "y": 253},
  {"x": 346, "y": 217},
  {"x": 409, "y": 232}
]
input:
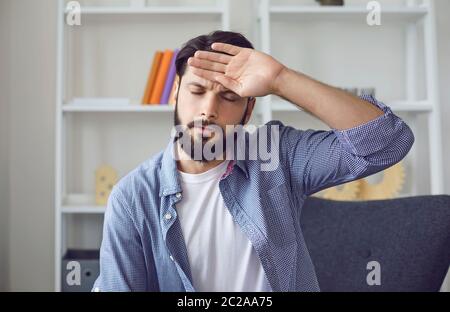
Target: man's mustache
[{"x": 200, "y": 122}]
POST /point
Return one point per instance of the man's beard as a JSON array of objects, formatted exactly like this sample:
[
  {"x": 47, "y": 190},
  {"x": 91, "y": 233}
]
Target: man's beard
[{"x": 190, "y": 150}]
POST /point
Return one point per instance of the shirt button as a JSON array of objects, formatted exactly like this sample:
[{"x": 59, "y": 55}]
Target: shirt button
[
  {"x": 171, "y": 258},
  {"x": 178, "y": 195},
  {"x": 168, "y": 216}
]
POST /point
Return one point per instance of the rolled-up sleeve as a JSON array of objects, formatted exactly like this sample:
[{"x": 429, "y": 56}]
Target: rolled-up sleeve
[
  {"x": 318, "y": 159},
  {"x": 122, "y": 263}
]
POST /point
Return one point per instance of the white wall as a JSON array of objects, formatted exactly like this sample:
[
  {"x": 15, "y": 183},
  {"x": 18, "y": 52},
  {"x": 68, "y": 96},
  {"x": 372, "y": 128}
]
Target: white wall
[
  {"x": 4, "y": 141},
  {"x": 27, "y": 132},
  {"x": 32, "y": 115}
]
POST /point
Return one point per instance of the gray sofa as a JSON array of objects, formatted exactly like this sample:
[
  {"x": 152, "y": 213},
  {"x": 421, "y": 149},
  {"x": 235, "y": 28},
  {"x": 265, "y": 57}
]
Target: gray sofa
[{"x": 408, "y": 237}]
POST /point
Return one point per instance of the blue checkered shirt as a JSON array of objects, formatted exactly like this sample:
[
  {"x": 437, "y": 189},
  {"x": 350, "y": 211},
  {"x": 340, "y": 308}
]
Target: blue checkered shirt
[{"x": 143, "y": 249}]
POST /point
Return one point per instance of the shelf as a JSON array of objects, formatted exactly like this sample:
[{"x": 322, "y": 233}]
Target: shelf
[
  {"x": 83, "y": 209},
  {"x": 396, "y": 106},
  {"x": 403, "y": 14},
  {"x": 162, "y": 108},
  {"x": 81, "y": 203},
  {"x": 156, "y": 14},
  {"x": 151, "y": 10}
]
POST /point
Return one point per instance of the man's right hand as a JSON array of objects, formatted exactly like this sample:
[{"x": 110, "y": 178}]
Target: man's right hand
[{"x": 247, "y": 72}]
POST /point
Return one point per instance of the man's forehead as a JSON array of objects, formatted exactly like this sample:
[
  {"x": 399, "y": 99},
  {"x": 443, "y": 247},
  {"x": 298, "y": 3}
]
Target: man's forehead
[{"x": 192, "y": 79}]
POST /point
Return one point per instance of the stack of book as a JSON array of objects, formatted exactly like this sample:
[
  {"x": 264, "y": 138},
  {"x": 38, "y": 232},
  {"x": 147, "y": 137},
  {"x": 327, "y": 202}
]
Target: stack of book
[{"x": 160, "y": 87}]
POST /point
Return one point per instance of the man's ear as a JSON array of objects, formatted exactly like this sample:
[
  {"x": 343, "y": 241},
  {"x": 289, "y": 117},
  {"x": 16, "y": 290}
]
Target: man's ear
[
  {"x": 177, "y": 86},
  {"x": 174, "y": 91},
  {"x": 250, "y": 106}
]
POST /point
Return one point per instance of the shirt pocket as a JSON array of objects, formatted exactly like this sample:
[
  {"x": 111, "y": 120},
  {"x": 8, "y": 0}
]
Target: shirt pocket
[{"x": 278, "y": 216}]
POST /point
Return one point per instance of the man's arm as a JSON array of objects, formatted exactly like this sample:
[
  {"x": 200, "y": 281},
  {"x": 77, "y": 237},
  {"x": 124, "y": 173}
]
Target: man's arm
[
  {"x": 122, "y": 263},
  {"x": 318, "y": 159},
  {"x": 335, "y": 107},
  {"x": 249, "y": 72}
]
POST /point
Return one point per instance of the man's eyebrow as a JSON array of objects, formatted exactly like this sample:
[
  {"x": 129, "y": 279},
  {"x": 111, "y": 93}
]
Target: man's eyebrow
[
  {"x": 195, "y": 84},
  {"x": 223, "y": 90},
  {"x": 229, "y": 91}
]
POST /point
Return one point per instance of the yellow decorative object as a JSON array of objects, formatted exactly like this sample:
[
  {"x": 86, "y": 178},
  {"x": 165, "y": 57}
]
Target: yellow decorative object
[
  {"x": 347, "y": 191},
  {"x": 389, "y": 187},
  {"x": 105, "y": 178}
]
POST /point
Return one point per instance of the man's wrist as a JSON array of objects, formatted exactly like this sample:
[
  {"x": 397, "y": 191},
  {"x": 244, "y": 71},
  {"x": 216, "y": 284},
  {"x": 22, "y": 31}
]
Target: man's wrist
[{"x": 280, "y": 81}]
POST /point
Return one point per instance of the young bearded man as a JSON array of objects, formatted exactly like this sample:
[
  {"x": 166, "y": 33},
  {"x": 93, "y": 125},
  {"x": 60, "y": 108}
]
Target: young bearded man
[{"x": 186, "y": 221}]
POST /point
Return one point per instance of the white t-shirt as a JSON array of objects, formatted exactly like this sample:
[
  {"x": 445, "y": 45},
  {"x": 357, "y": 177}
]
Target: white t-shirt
[{"x": 220, "y": 255}]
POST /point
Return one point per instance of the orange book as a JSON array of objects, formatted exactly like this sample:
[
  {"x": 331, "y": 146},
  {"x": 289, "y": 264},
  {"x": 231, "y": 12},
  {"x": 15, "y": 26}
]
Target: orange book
[
  {"x": 172, "y": 99},
  {"x": 161, "y": 77},
  {"x": 152, "y": 77}
]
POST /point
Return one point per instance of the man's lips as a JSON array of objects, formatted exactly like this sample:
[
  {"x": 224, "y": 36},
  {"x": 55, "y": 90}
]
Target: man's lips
[{"x": 204, "y": 130}]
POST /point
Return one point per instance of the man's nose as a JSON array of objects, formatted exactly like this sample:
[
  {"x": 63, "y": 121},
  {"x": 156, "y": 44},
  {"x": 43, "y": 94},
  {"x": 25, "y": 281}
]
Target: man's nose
[{"x": 210, "y": 107}]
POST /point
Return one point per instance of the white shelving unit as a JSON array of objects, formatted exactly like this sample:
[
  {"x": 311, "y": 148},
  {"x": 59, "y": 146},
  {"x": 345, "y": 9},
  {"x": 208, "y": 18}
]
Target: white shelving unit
[
  {"x": 308, "y": 12},
  {"x": 69, "y": 201},
  {"x": 154, "y": 10},
  {"x": 415, "y": 17}
]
